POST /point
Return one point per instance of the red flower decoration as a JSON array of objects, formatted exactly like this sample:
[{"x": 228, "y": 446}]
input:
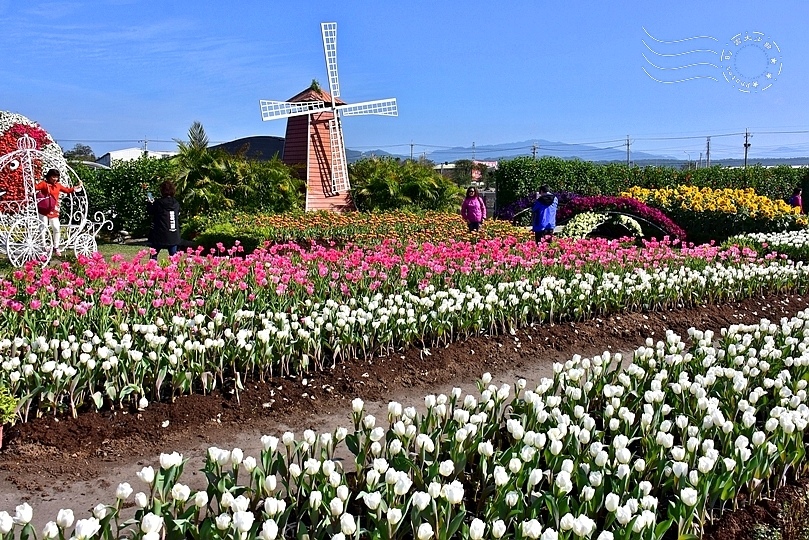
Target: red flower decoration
[{"x": 11, "y": 173}]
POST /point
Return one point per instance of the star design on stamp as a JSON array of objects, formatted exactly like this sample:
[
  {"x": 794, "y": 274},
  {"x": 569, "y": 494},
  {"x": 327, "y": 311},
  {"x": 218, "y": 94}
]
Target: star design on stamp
[
  {"x": 755, "y": 84},
  {"x": 773, "y": 60},
  {"x": 769, "y": 75}
]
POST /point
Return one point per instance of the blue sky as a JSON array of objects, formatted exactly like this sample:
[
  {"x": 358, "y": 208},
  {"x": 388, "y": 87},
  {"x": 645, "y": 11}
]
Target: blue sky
[{"x": 110, "y": 73}]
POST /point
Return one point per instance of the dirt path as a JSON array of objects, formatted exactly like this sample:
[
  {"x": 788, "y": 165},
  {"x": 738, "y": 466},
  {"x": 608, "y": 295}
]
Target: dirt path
[{"x": 76, "y": 463}]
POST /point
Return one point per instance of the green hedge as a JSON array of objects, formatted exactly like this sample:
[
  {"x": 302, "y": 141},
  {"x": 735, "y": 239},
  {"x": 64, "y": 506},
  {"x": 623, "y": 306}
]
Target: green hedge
[{"x": 522, "y": 176}]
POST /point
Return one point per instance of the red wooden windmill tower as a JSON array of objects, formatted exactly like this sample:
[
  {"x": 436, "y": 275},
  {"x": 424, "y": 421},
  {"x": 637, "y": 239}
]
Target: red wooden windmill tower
[{"x": 314, "y": 135}]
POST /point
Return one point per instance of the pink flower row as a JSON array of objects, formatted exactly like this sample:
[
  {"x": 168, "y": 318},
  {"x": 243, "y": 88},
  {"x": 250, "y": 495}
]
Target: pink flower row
[{"x": 196, "y": 282}]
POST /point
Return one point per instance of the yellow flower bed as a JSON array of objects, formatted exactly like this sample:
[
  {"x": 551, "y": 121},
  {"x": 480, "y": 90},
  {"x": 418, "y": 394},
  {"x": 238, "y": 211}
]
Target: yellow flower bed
[
  {"x": 728, "y": 201},
  {"x": 362, "y": 227}
]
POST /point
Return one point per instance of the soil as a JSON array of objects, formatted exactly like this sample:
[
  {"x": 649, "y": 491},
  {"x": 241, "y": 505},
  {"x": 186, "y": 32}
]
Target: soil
[{"x": 63, "y": 462}]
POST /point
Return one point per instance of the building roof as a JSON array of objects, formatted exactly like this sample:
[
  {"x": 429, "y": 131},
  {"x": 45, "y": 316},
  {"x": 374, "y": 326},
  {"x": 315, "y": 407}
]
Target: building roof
[
  {"x": 315, "y": 95},
  {"x": 260, "y": 148}
]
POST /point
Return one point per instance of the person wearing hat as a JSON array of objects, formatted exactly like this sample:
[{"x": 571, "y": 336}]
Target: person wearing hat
[{"x": 48, "y": 193}]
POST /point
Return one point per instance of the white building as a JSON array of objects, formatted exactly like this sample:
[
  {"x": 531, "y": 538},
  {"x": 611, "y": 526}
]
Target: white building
[{"x": 131, "y": 154}]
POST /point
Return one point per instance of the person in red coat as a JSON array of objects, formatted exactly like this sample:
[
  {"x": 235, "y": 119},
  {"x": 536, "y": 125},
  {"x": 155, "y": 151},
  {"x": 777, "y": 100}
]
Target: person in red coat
[{"x": 50, "y": 190}]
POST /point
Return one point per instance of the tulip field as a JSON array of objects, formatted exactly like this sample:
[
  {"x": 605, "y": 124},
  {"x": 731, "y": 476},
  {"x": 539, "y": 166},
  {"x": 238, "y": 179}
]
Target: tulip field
[
  {"x": 116, "y": 333},
  {"x": 604, "y": 449},
  {"x": 597, "y": 451}
]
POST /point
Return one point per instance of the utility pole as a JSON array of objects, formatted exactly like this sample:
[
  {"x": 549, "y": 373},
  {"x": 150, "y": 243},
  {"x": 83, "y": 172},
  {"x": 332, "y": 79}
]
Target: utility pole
[
  {"x": 473, "y": 150},
  {"x": 411, "y": 151},
  {"x": 700, "y": 160},
  {"x": 627, "y": 150},
  {"x": 534, "y": 150},
  {"x": 708, "y": 154},
  {"x": 746, "y": 146}
]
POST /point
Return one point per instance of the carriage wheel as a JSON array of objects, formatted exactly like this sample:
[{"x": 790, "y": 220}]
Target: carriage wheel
[
  {"x": 85, "y": 245},
  {"x": 28, "y": 240}
]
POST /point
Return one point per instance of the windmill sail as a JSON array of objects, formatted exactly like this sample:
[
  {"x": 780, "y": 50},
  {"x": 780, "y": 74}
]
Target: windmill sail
[
  {"x": 381, "y": 107},
  {"x": 329, "y": 31},
  {"x": 271, "y": 110},
  {"x": 339, "y": 170}
]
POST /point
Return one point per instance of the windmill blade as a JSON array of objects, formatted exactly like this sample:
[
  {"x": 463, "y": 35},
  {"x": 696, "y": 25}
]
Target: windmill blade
[
  {"x": 339, "y": 170},
  {"x": 271, "y": 110},
  {"x": 329, "y": 31},
  {"x": 382, "y": 107}
]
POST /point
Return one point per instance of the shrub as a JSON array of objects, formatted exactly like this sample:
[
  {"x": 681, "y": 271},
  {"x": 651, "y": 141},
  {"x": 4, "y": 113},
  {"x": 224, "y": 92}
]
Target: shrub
[
  {"x": 8, "y": 407},
  {"x": 117, "y": 191},
  {"x": 519, "y": 177},
  {"x": 380, "y": 184}
]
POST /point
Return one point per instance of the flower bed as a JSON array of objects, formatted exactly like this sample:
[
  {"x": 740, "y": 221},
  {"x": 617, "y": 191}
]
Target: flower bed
[
  {"x": 793, "y": 244},
  {"x": 597, "y": 451},
  {"x": 627, "y": 205},
  {"x": 251, "y": 230},
  {"x": 716, "y": 214},
  {"x": 115, "y": 334}
]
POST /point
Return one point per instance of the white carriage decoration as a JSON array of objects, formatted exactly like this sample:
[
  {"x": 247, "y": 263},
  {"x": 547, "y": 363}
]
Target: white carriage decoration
[{"x": 24, "y": 236}]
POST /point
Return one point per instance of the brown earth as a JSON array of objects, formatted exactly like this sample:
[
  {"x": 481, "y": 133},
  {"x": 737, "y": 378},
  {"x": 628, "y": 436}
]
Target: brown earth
[{"x": 63, "y": 462}]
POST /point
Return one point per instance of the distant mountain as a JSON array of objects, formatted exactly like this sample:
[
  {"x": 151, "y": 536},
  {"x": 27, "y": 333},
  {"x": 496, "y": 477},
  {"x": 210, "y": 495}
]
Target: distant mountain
[
  {"x": 356, "y": 155},
  {"x": 543, "y": 148}
]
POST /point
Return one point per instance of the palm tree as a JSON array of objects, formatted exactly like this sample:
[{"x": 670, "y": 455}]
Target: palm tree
[{"x": 202, "y": 174}]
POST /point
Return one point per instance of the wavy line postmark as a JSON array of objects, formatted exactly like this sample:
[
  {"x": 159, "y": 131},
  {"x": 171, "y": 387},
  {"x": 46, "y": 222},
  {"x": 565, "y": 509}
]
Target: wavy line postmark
[{"x": 750, "y": 61}]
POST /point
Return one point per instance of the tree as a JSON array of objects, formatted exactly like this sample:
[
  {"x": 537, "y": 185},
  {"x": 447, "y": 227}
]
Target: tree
[
  {"x": 80, "y": 152},
  {"x": 200, "y": 174}
]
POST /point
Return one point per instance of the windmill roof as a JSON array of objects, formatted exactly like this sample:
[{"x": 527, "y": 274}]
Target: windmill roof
[{"x": 315, "y": 95}]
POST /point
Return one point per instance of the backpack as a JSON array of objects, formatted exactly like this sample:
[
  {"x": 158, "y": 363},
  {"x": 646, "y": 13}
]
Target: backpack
[{"x": 46, "y": 203}]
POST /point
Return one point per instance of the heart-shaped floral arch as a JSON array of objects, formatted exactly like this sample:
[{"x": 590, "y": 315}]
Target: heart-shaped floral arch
[{"x": 13, "y": 127}]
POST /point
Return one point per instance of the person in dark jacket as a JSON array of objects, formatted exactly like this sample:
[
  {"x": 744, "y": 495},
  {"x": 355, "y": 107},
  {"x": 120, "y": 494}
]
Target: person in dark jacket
[
  {"x": 544, "y": 213},
  {"x": 795, "y": 200},
  {"x": 165, "y": 213}
]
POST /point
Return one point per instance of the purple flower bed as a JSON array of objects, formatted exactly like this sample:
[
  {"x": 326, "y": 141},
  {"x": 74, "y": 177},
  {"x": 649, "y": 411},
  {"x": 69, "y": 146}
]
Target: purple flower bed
[
  {"x": 621, "y": 204},
  {"x": 517, "y": 206}
]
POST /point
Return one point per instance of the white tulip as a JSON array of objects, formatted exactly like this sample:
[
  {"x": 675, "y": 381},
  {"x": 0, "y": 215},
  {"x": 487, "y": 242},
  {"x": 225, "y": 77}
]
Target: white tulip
[
  {"x": 200, "y": 499},
  {"x": 141, "y": 499},
  {"x": 476, "y": 529},
  {"x": 689, "y": 496},
  {"x": 65, "y": 518},
  {"x": 124, "y": 491},
  {"x": 146, "y": 475},
  {"x": 347, "y": 524},
  {"x": 373, "y": 499},
  {"x": 168, "y": 461},
  {"x": 243, "y": 520},
  {"x": 269, "y": 530},
  {"x": 180, "y": 492},
  {"x": 394, "y": 516},
  {"x": 151, "y": 523},
  {"x": 424, "y": 532},
  {"x": 223, "y": 522},
  {"x": 86, "y": 528},
  {"x": 51, "y": 530},
  {"x": 6, "y": 523}
]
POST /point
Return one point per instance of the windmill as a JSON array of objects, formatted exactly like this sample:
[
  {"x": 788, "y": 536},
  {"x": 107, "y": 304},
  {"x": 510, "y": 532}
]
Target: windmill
[{"x": 314, "y": 134}]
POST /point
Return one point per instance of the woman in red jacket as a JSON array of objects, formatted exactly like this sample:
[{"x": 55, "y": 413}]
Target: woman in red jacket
[{"x": 49, "y": 212}]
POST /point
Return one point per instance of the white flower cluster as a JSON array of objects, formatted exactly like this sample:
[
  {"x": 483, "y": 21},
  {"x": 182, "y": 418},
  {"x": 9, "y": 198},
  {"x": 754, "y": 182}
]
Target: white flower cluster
[
  {"x": 589, "y": 453},
  {"x": 789, "y": 239}
]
